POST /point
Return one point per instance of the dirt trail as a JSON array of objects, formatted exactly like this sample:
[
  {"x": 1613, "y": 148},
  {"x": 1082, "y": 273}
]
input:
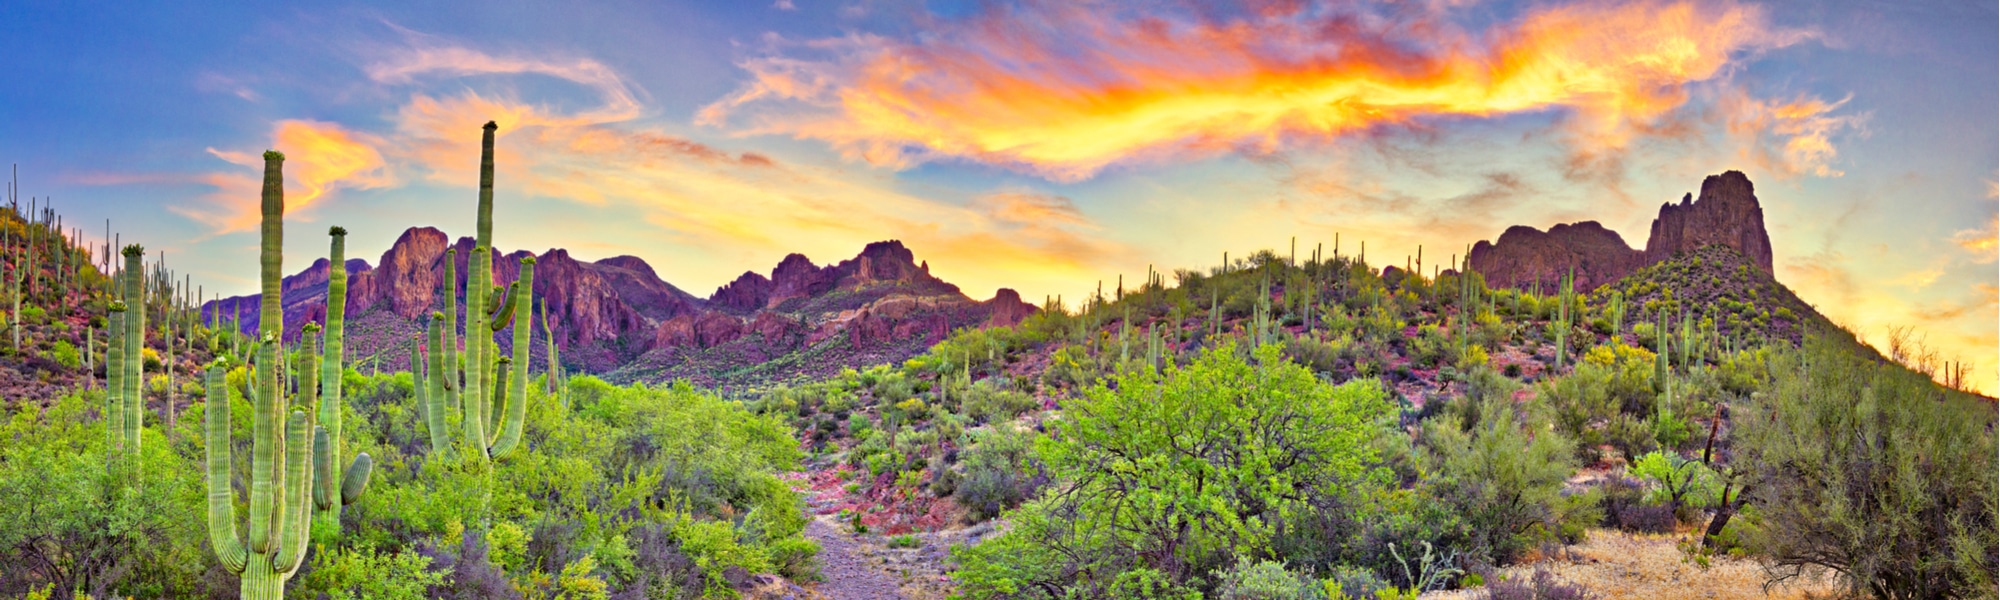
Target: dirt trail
[{"x": 848, "y": 574}]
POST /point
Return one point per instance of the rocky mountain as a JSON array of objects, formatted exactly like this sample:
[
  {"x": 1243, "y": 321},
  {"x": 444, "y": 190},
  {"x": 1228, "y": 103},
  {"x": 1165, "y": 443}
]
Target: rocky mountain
[
  {"x": 1726, "y": 213},
  {"x": 616, "y": 316}
]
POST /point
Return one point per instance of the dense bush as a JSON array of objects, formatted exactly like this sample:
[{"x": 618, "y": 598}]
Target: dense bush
[
  {"x": 1873, "y": 473},
  {"x": 1165, "y": 478},
  {"x": 639, "y": 491},
  {"x": 1505, "y": 475},
  {"x": 999, "y": 471},
  {"x": 75, "y": 522}
]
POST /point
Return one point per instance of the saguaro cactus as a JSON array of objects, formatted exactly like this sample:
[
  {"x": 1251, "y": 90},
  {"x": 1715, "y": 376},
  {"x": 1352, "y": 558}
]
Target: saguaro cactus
[
  {"x": 282, "y": 478},
  {"x": 114, "y": 376},
  {"x": 134, "y": 339},
  {"x": 328, "y": 452},
  {"x": 491, "y": 413}
]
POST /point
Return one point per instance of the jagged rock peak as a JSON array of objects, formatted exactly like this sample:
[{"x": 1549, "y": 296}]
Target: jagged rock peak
[{"x": 1726, "y": 212}]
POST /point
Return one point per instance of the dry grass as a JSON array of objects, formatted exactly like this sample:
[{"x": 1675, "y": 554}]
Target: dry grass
[{"x": 1615, "y": 564}]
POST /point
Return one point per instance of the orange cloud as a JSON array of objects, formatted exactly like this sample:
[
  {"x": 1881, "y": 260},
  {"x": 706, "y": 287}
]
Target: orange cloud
[
  {"x": 319, "y": 158},
  {"x": 1982, "y": 242},
  {"x": 1063, "y": 91},
  {"x": 1788, "y": 138},
  {"x": 723, "y": 202}
]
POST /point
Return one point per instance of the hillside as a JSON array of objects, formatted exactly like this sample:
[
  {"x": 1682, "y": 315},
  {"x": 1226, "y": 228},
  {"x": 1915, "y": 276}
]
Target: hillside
[{"x": 1430, "y": 341}]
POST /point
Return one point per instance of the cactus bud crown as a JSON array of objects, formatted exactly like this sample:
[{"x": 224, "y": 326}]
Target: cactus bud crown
[
  {"x": 337, "y": 231},
  {"x": 273, "y": 155}
]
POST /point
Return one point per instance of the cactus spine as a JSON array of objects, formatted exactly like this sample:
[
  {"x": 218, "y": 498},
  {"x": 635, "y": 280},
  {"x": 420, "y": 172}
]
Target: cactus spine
[{"x": 282, "y": 459}]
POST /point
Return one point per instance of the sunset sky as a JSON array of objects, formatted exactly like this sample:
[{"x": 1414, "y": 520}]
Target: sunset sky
[{"x": 1042, "y": 146}]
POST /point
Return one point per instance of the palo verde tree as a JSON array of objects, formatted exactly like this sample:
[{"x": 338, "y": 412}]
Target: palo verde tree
[{"x": 283, "y": 482}]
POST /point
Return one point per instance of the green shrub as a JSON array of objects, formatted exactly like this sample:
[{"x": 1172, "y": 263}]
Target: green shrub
[
  {"x": 987, "y": 402},
  {"x": 1272, "y": 439},
  {"x": 1265, "y": 580},
  {"x": 66, "y": 354},
  {"x": 1873, "y": 473},
  {"x": 1000, "y": 471},
  {"x": 363, "y": 573},
  {"x": 1505, "y": 475}
]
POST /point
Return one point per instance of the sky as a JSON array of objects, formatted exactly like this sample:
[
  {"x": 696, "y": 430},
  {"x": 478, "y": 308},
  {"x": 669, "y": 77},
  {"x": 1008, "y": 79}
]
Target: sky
[{"x": 1041, "y": 146}]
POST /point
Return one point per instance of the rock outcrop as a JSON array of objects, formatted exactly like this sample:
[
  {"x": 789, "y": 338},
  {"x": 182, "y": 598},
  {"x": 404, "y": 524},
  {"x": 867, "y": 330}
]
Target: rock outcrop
[
  {"x": 1725, "y": 213},
  {"x": 1525, "y": 257}
]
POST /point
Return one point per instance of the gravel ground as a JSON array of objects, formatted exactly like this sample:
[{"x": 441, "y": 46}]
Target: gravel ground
[{"x": 846, "y": 573}]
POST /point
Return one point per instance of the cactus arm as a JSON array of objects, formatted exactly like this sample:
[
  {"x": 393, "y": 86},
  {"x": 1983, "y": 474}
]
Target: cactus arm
[
  {"x": 473, "y": 417},
  {"x": 505, "y": 316},
  {"x": 322, "y": 464},
  {"x": 517, "y": 394},
  {"x": 356, "y": 480},
  {"x": 450, "y": 348},
  {"x": 221, "y": 502},
  {"x": 478, "y": 281},
  {"x": 114, "y": 377},
  {"x": 296, "y": 505},
  {"x": 271, "y": 255},
  {"x": 436, "y": 386},
  {"x": 498, "y": 407},
  {"x": 549, "y": 338},
  {"x": 420, "y": 383}
]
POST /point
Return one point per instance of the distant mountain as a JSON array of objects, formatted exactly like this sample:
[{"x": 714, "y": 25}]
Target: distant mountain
[
  {"x": 1726, "y": 214},
  {"x": 617, "y": 318}
]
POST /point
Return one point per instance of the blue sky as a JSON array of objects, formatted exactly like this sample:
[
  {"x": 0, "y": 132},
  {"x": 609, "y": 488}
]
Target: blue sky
[{"x": 1041, "y": 146}]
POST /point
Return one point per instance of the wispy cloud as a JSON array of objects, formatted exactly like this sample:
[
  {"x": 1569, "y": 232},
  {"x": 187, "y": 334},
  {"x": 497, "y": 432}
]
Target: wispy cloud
[
  {"x": 1789, "y": 137},
  {"x": 1982, "y": 243},
  {"x": 320, "y": 158},
  {"x": 606, "y": 153},
  {"x": 1064, "y": 90}
]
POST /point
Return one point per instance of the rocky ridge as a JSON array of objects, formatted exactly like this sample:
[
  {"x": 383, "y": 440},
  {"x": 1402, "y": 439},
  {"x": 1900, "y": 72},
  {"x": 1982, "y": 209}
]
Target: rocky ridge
[
  {"x": 612, "y": 314},
  {"x": 1726, "y": 213}
]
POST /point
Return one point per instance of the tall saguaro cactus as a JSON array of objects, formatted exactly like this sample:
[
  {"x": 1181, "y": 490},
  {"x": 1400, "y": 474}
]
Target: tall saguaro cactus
[
  {"x": 327, "y": 452},
  {"x": 134, "y": 340},
  {"x": 114, "y": 376},
  {"x": 491, "y": 410},
  {"x": 282, "y": 463}
]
